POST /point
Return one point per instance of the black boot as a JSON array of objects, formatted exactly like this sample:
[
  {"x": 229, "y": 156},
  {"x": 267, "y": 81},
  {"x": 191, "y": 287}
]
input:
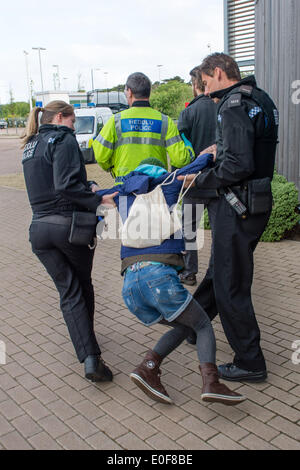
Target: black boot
[
  {"x": 235, "y": 374},
  {"x": 96, "y": 370}
]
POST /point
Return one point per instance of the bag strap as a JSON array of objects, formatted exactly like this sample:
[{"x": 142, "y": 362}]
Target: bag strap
[
  {"x": 182, "y": 194},
  {"x": 173, "y": 174}
]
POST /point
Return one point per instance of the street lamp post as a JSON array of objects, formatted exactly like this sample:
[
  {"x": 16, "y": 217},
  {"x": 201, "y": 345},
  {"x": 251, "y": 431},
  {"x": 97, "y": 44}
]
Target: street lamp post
[
  {"x": 40, "y": 49},
  {"x": 28, "y": 79},
  {"x": 56, "y": 77},
  {"x": 159, "y": 67},
  {"x": 106, "y": 73},
  {"x": 92, "y": 75}
]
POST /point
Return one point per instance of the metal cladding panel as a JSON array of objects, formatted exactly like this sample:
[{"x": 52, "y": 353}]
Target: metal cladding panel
[
  {"x": 277, "y": 66},
  {"x": 239, "y": 22}
]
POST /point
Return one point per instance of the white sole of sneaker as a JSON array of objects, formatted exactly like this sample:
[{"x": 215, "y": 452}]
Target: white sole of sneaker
[
  {"x": 225, "y": 399},
  {"x": 151, "y": 392}
]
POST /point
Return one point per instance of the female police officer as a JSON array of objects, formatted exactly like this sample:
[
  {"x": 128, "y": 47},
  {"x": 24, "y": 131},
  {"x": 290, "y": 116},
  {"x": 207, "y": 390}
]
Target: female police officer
[{"x": 57, "y": 186}]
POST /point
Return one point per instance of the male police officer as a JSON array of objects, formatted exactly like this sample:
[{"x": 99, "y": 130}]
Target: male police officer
[
  {"x": 246, "y": 145},
  {"x": 197, "y": 122},
  {"x": 137, "y": 133}
]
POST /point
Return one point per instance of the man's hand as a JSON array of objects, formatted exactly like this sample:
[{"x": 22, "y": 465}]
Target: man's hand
[
  {"x": 188, "y": 179},
  {"x": 212, "y": 149},
  {"x": 108, "y": 200}
]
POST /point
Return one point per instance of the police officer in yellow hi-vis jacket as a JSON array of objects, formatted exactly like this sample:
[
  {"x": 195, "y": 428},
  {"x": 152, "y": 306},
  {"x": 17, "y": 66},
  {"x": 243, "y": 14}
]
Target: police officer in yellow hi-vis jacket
[{"x": 137, "y": 133}]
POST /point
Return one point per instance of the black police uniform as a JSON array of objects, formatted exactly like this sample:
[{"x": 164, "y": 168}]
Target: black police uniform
[
  {"x": 246, "y": 144},
  {"x": 57, "y": 185},
  {"x": 198, "y": 123}
]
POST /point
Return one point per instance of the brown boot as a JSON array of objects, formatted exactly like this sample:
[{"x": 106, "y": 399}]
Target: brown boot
[
  {"x": 147, "y": 377},
  {"x": 213, "y": 390}
]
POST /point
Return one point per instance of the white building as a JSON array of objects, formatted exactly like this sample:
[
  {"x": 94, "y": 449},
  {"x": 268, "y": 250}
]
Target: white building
[{"x": 71, "y": 97}]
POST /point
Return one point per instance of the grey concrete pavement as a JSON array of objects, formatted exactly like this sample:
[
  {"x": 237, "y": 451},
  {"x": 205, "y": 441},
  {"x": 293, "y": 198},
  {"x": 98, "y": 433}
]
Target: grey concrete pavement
[{"x": 45, "y": 403}]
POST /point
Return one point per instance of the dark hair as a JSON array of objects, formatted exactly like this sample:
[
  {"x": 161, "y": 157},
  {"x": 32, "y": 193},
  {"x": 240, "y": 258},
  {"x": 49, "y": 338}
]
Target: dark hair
[
  {"x": 48, "y": 113},
  {"x": 55, "y": 107},
  {"x": 139, "y": 84},
  {"x": 224, "y": 62},
  {"x": 197, "y": 79}
]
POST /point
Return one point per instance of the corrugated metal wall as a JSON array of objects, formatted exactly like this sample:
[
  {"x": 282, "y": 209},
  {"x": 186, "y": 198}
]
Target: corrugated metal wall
[
  {"x": 277, "y": 69},
  {"x": 239, "y": 32}
]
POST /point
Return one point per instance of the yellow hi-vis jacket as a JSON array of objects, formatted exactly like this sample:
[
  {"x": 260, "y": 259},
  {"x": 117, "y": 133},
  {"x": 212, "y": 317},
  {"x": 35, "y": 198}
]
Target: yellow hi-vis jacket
[{"x": 135, "y": 134}]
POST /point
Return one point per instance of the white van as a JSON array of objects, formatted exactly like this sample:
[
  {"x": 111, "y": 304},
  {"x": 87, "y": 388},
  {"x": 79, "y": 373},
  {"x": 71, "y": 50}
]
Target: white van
[{"x": 88, "y": 124}]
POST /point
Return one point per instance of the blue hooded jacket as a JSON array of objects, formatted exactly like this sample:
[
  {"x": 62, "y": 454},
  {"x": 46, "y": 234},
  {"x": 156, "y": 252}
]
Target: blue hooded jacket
[{"x": 143, "y": 180}]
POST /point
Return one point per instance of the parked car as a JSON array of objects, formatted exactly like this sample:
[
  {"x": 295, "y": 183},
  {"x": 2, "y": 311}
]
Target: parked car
[
  {"x": 3, "y": 124},
  {"x": 88, "y": 124}
]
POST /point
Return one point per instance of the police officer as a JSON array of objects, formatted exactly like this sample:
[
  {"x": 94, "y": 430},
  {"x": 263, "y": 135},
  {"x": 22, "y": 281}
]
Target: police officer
[
  {"x": 56, "y": 184},
  {"x": 197, "y": 122},
  {"x": 137, "y": 133},
  {"x": 246, "y": 145}
]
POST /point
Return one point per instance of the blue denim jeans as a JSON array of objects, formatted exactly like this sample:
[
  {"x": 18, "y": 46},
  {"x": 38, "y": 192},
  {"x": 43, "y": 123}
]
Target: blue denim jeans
[{"x": 154, "y": 292}]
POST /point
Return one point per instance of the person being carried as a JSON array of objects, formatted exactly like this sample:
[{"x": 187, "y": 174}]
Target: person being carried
[{"x": 152, "y": 290}]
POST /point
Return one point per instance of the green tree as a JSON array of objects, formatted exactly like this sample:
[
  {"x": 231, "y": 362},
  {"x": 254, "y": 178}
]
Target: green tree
[
  {"x": 176, "y": 78},
  {"x": 169, "y": 98},
  {"x": 120, "y": 88},
  {"x": 18, "y": 109}
]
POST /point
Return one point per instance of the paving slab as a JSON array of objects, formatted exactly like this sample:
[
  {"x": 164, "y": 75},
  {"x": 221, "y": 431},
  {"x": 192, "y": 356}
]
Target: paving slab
[{"x": 45, "y": 402}]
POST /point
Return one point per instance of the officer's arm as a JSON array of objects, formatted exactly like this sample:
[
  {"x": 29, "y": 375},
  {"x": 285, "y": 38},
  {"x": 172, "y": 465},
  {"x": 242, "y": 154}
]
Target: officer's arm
[
  {"x": 238, "y": 147},
  {"x": 69, "y": 181},
  {"x": 103, "y": 145},
  {"x": 180, "y": 155}
]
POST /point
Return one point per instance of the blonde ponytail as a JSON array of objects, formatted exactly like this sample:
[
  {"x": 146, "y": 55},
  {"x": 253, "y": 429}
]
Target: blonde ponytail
[{"x": 32, "y": 126}]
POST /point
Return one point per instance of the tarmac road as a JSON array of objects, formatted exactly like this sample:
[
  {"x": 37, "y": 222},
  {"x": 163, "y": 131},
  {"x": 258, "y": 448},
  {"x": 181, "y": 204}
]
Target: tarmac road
[
  {"x": 11, "y": 169},
  {"x": 10, "y": 155}
]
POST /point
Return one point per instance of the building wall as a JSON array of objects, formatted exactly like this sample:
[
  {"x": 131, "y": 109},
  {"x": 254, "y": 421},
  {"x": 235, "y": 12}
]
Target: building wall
[
  {"x": 239, "y": 32},
  {"x": 78, "y": 98},
  {"x": 277, "y": 69}
]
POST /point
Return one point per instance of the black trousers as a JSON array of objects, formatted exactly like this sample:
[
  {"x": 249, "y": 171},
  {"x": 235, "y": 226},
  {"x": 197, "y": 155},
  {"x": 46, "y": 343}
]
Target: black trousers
[
  {"x": 226, "y": 287},
  {"x": 70, "y": 268},
  {"x": 192, "y": 210}
]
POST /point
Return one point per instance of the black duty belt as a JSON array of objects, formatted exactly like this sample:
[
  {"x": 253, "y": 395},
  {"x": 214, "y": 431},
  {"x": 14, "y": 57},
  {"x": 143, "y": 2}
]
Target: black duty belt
[
  {"x": 239, "y": 187},
  {"x": 206, "y": 193},
  {"x": 214, "y": 193},
  {"x": 55, "y": 219}
]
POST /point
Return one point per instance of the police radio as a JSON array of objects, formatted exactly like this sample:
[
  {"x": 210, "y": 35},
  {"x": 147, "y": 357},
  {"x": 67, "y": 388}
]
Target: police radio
[{"x": 235, "y": 203}]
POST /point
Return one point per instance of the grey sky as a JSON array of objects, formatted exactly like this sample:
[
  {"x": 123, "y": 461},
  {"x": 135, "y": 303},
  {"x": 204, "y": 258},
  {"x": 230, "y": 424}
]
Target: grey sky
[{"x": 116, "y": 36}]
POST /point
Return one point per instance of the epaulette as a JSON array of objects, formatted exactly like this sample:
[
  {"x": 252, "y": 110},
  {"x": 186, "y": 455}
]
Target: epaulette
[
  {"x": 246, "y": 90},
  {"x": 58, "y": 137},
  {"x": 234, "y": 100}
]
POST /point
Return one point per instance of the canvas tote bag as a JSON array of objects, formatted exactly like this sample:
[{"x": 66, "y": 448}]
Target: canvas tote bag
[{"x": 150, "y": 220}]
